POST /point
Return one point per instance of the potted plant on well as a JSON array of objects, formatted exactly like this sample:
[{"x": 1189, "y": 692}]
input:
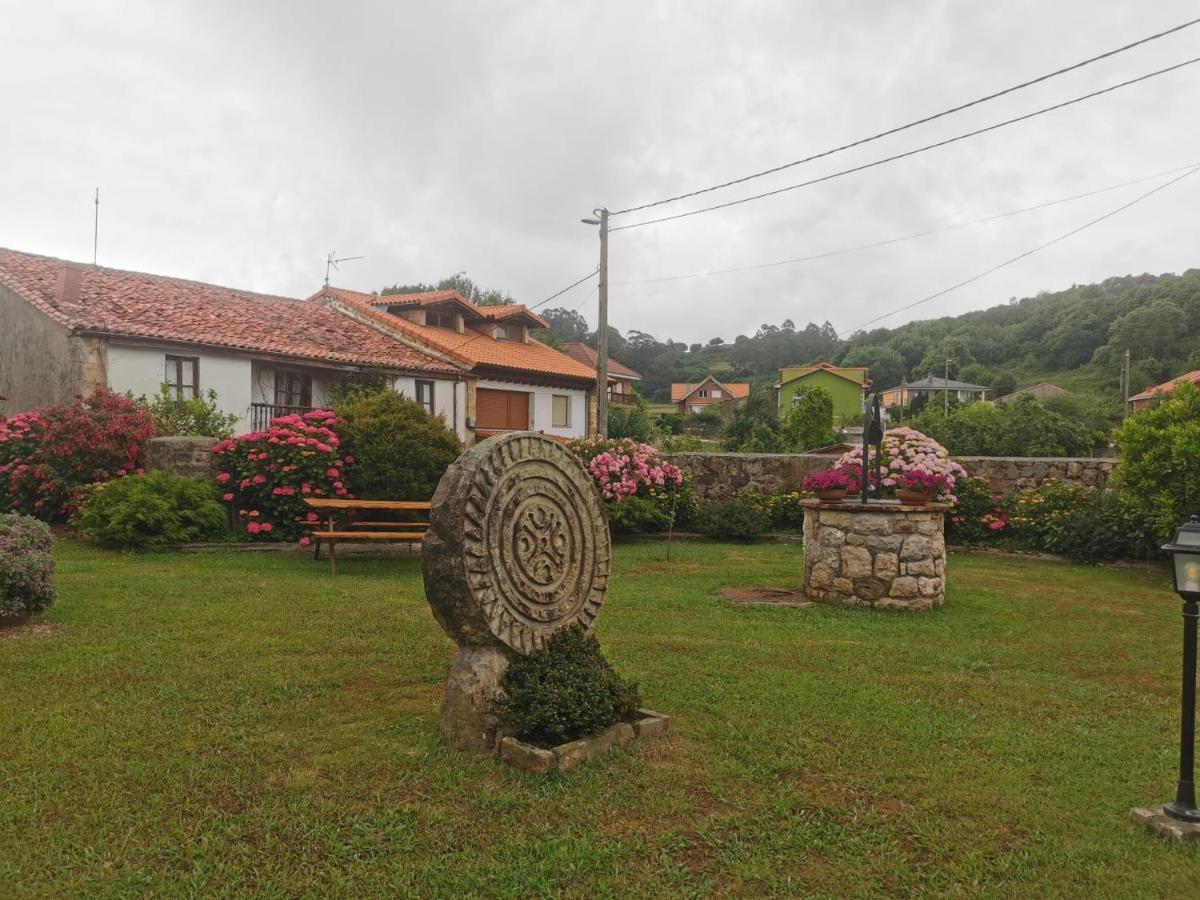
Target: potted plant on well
[
  {"x": 829, "y": 485},
  {"x": 918, "y": 486}
]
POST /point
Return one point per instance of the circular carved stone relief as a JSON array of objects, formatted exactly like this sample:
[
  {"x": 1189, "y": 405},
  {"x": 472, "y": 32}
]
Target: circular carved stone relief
[{"x": 518, "y": 544}]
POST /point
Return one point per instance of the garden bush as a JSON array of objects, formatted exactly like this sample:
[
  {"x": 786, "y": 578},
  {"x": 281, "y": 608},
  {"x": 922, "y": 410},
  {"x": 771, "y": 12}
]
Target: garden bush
[
  {"x": 782, "y": 510},
  {"x": 735, "y": 520},
  {"x": 1159, "y": 460},
  {"x": 624, "y": 471},
  {"x": 980, "y": 515},
  {"x": 265, "y": 475},
  {"x": 565, "y": 691},
  {"x": 153, "y": 510},
  {"x": 1041, "y": 516},
  {"x": 26, "y": 563},
  {"x": 399, "y": 450},
  {"x": 50, "y": 455},
  {"x": 1108, "y": 527},
  {"x": 197, "y": 417}
]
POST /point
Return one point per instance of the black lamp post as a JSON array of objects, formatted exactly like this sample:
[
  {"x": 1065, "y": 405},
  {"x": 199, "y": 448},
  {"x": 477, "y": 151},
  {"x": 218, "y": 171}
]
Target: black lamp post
[{"x": 1185, "y": 560}]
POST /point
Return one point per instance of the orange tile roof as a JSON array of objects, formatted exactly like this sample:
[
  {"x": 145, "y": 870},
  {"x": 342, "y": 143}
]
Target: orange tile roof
[
  {"x": 473, "y": 348},
  {"x": 581, "y": 352},
  {"x": 1192, "y": 377},
  {"x": 737, "y": 390},
  {"x": 99, "y": 300}
]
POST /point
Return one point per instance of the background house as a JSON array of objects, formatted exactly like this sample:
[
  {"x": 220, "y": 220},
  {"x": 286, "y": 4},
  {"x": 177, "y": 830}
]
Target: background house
[
  {"x": 689, "y": 398},
  {"x": 71, "y": 328},
  {"x": 1149, "y": 395},
  {"x": 513, "y": 382},
  {"x": 844, "y": 384},
  {"x": 621, "y": 378},
  {"x": 1042, "y": 391},
  {"x": 930, "y": 388}
]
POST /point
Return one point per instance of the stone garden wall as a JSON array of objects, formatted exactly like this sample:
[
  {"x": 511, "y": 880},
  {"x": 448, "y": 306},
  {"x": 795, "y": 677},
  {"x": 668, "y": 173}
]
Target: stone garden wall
[
  {"x": 191, "y": 457},
  {"x": 720, "y": 476}
]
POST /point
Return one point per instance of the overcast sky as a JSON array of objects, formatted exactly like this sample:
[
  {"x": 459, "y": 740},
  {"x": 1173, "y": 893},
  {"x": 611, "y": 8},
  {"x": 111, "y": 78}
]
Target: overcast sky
[{"x": 239, "y": 142}]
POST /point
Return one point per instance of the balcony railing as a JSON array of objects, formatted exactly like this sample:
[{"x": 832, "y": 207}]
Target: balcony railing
[
  {"x": 261, "y": 414},
  {"x": 621, "y": 399}
]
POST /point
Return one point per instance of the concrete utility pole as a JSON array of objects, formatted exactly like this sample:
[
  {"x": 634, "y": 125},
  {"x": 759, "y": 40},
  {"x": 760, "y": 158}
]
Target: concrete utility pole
[
  {"x": 601, "y": 219},
  {"x": 1125, "y": 392},
  {"x": 946, "y": 391}
]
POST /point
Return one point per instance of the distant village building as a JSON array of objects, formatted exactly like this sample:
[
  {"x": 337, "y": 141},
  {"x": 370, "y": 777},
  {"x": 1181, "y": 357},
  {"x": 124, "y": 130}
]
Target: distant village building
[
  {"x": 844, "y": 384},
  {"x": 690, "y": 398},
  {"x": 620, "y": 377},
  {"x": 1041, "y": 391},
  {"x": 70, "y": 329},
  {"x": 932, "y": 388},
  {"x": 1149, "y": 395}
]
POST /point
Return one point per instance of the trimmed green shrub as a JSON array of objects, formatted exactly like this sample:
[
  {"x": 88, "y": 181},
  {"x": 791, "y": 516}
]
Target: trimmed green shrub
[
  {"x": 197, "y": 417},
  {"x": 153, "y": 510},
  {"x": 565, "y": 691},
  {"x": 1041, "y": 516},
  {"x": 1159, "y": 467},
  {"x": 399, "y": 451},
  {"x": 26, "y": 562},
  {"x": 1109, "y": 527},
  {"x": 783, "y": 511},
  {"x": 737, "y": 520}
]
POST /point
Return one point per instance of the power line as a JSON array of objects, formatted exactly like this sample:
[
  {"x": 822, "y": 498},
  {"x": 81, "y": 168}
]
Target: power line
[
  {"x": 898, "y": 129},
  {"x": 1030, "y": 252},
  {"x": 908, "y": 237},
  {"x": 908, "y": 153}
]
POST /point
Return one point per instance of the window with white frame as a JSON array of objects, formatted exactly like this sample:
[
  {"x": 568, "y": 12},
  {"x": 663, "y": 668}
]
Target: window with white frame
[
  {"x": 425, "y": 395},
  {"x": 182, "y": 375},
  {"x": 560, "y": 413},
  {"x": 716, "y": 394},
  {"x": 702, "y": 393}
]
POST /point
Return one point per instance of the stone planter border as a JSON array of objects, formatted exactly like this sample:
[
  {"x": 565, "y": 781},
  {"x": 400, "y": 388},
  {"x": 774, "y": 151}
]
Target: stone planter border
[{"x": 568, "y": 756}]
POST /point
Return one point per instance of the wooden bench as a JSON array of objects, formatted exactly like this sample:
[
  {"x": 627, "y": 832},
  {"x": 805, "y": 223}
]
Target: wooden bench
[{"x": 348, "y": 529}]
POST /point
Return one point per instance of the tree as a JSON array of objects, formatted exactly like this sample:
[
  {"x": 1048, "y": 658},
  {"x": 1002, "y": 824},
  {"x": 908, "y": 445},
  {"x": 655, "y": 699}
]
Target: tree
[
  {"x": 809, "y": 423},
  {"x": 748, "y": 421},
  {"x": 1159, "y": 461},
  {"x": 566, "y": 326},
  {"x": 886, "y": 365},
  {"x": 1156, "y": 330},
  {"x": 975, "y": 373},
  {"x": 1003, "y": 384}
]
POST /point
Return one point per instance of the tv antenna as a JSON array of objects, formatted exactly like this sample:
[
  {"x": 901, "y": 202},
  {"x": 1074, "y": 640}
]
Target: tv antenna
[
  {"x": 332, "y": 263},
  {"x": 96, "y": 228}
]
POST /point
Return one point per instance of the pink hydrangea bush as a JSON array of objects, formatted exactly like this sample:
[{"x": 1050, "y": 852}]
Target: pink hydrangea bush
[
  {"x": 906, "y": 450},
  {"x": 624, "y": 468},
  {"x": 49, "y": 456},
  {"x": 922, "y": 482},
  {"x": 265, "y": 475},
  {"x": 830, "y": 480}
]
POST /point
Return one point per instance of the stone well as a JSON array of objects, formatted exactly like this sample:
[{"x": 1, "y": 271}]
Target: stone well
[{"x": 884, "y": 554}]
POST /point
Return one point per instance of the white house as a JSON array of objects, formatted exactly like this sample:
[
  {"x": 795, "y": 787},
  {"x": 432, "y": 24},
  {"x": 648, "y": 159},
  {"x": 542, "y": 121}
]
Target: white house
[{"x": 67, "y": 329}]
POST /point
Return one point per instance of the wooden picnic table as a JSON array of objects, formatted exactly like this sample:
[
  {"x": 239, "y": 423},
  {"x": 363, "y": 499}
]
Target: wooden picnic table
[{"x": 341, "y": 526}]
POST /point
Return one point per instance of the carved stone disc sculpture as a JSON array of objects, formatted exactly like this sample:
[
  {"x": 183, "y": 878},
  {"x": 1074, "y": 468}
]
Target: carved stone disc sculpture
[{"x": 517, "y": 548}]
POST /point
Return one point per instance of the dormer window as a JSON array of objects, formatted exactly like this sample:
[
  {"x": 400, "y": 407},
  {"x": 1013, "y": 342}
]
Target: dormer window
[
  {"x": 511, "y": 333},
  {"x": 441, "y": 319}
]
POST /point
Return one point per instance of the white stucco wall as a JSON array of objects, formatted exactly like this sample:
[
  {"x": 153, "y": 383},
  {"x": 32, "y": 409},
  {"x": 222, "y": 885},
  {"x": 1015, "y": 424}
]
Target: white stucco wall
[
  {"x": 449, "y": 399},
  {"x": 141, "y": 371},
  {"x": 541, "y": 407}
]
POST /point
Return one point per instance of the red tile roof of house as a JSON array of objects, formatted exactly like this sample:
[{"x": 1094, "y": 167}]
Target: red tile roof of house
[
  {"x": 1192, "y": 377},
  {"x": 99, "y": 300},
  {"x": 581, "y": 352},
  {"x": 472, "y": 348},
  {"x": 737, "y": 390}
]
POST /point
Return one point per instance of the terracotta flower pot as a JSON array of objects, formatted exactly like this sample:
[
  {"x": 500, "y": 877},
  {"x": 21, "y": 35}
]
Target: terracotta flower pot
[
  {"x": 832, "y": 495},
  {"x": 916, "y": 498}
]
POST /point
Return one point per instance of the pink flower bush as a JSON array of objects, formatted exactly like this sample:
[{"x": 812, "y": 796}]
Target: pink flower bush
[
  {"x": 268, "y": 473},
  {"x": 829, "y": 480},
  {"x": 49, "y": 456},
  {"x": 905, "y": 450},
  {"x": 936, "y": 486},
  {"x": 625, "y": 468}
]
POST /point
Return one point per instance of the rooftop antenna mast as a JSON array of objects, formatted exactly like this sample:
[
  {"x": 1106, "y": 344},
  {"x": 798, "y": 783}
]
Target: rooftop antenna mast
[
  {"x": 331, "y": 263},
  {"x": 96, "y": 228}
]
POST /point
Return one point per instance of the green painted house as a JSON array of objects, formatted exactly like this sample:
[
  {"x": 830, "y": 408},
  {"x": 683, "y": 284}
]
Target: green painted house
[{"x": 844, "y": 383}]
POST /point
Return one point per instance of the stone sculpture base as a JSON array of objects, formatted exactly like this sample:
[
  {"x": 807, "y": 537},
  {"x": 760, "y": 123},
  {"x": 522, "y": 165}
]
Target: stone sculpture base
[
  {"x": 472, "y": 688},
  {"x": 883, "y": 554},
  {"x": 1163, "y": 825}
]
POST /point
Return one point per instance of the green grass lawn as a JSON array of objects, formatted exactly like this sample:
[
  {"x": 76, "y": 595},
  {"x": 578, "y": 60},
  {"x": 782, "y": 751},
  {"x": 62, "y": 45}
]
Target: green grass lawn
[{"x": 245, "y": 724}]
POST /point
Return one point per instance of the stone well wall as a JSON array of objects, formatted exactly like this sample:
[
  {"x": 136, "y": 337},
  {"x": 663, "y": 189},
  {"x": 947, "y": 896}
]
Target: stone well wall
[
  {"x": 884, "y": 555},
  {"x": 720, "y": 476},
  {"x": 191, "y": 457}
]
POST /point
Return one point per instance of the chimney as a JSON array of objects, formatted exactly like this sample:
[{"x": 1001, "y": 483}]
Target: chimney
[{"x": 70, "y": 277}]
